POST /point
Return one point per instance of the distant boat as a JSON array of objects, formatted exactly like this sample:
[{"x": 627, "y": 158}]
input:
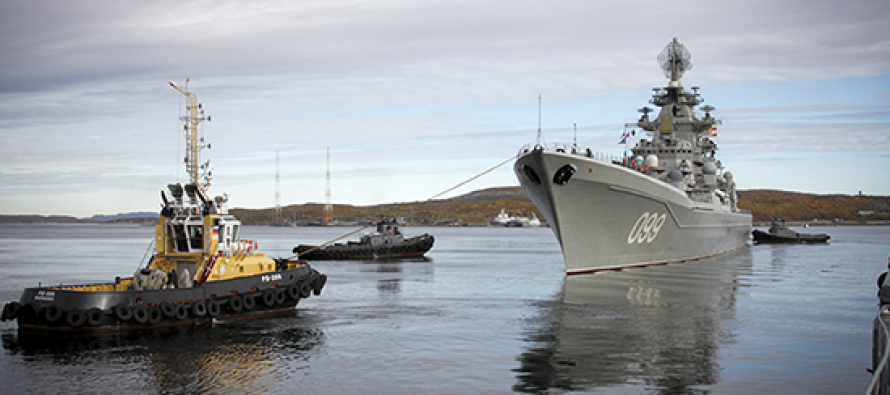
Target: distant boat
[
  {"x": 386, "y": 243},
  {"x": 779, "y": 233},
  {"x": 504, "y": 219}
]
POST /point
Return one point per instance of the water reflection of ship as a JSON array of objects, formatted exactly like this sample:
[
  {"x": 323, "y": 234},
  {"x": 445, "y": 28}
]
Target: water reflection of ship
[
  {"x": 230, "y": 358},
  {"x": 391, "y": 273},
  {"x": 659, "y": 328}
]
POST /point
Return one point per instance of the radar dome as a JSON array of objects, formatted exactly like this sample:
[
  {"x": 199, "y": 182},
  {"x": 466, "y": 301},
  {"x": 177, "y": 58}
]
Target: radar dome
[
  {"x": 652, "y": 161},
  {"x": 675, "y": 176},
  {"x": 709, "y": 168}
]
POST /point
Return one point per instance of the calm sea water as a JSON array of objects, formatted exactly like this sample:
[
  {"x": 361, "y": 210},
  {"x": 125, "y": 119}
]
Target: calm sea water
[{"x": 489, "y": 311}]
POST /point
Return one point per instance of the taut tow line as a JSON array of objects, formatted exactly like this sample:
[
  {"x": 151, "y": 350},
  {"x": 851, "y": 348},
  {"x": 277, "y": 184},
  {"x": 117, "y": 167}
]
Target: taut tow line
[{"x": 458, "y": 185}]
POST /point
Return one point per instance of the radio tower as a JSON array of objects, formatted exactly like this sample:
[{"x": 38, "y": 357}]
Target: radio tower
[
  {"x": 328, "y": 207},
  {"x": 277, "y": 191}
]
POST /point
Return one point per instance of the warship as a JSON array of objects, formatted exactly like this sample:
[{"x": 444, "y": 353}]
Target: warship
[
  {"x": 386, "y": 243},
  {"x": 200, "y": 271},
  {"x": 671, "y": 200}
]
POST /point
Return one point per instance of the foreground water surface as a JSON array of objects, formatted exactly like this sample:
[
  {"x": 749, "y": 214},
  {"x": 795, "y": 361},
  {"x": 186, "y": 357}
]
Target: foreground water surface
[{"x": 489, "y": 311}]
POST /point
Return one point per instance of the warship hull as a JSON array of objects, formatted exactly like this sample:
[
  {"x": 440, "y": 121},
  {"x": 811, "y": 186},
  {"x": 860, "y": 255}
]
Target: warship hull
[{"x": 607, "y": 216}]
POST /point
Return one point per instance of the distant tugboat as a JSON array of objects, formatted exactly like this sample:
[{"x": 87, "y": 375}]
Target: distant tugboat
[
  {"x": 779, "y": 233},
  {"x": 200, "y": 271},
  {"x": 386, "y": 242}
]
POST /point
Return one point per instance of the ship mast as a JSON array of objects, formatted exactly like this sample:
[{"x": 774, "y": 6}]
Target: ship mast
[{"x": 194, "y": 144}]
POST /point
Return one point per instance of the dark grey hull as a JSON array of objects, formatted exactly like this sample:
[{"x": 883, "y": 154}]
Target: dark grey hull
[
  {"x": 800, "y": 238},
  {"x": 607, "y": 216},
  {"x": 412, "y": 247},
  {"x": 61, "y": 309}
]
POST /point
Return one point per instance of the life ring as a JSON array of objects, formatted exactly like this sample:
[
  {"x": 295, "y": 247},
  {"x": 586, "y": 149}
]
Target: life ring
[
  {"x": 95, "y": 316},
  {"x": 199, "y": 309},
  {"x": 140, "y": 314},
  {"x": 75, "y": 318},
  {"x": 182, "y": 312},
  {"x": 213, "y": 309},
  {"x": 52, "y": 313},
  {"x": 236, "y": 303},
  {"x": 155, "y": 315},
  {"x": 269, "y": 298},
  {"x": 293, "y": 291},
  {"x": 305, "y": 289},
  {"x": 168, "y": 309},
  {"x": 249, "y": 302},
  {"x": 123, "y": 312}
]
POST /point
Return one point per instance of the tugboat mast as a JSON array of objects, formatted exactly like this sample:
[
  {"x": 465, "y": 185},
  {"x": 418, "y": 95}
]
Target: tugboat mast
[{"x": 193, "y": 144}]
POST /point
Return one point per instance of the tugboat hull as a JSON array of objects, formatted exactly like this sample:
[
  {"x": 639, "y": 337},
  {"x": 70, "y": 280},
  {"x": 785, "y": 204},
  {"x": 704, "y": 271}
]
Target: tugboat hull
[
  {"x": 410, "y": 248},
  {"x": 78, "y": 308},
  {"x": 800, "y": 238}
]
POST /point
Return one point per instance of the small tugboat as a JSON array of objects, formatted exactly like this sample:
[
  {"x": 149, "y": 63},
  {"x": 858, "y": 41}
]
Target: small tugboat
[
  {"x": 387, "y": 242},
  {"x": 779, "y": 233},
  {"x": 200, "y": 270}
]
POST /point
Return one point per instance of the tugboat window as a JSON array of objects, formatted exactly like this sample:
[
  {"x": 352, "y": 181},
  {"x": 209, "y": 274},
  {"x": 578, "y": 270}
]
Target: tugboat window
[
  {"x": 196, "y": 236},
  {"x": 181, "y": 243}
]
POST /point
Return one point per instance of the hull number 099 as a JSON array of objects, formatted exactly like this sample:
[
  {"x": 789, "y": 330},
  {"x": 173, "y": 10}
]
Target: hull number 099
[{"x": 646, "y": 228}]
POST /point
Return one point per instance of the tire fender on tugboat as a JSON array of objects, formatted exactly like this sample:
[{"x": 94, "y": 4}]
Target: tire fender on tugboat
[
  {"x": 75, "y": 318},
  {"x": 95, "y": 316},
  {"x": 123, "y": 312},
  {"x": 52, "y": 313},
  {"x": 140, "y": 314},
  {"x": 199, "y": 309}
]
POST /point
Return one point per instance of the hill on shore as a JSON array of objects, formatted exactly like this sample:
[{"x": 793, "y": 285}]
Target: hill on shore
[{"x": 480, "y": 207}]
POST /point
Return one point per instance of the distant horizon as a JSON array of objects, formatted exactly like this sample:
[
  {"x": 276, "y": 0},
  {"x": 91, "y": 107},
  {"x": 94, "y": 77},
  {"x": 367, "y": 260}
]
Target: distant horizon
[{"x": 402, "y": 202}]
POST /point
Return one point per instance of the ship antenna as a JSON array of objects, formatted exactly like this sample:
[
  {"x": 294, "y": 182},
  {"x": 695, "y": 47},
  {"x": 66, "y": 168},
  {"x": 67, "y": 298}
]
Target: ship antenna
[
  {"x": 575, "y": 142},
  {"x": 540, "y": 136}
]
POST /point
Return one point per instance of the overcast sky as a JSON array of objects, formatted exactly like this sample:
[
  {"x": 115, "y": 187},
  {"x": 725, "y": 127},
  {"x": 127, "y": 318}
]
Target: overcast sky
[{"x": 413, "y": 97}]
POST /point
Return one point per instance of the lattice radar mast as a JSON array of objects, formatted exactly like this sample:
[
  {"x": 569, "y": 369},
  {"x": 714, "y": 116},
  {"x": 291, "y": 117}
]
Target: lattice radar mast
[{"x": 675, "y": 60}]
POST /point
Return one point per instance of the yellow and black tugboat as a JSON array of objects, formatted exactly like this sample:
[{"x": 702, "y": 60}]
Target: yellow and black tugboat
[{"x": 200, "y": 271}]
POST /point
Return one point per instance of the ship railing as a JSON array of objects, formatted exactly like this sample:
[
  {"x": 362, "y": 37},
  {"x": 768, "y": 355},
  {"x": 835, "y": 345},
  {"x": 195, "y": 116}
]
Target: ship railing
[
  {"x": 574, "y": 150},
  {"x": 880, "y": 379}
]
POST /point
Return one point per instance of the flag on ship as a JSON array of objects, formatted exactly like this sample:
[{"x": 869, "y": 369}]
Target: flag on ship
[
  {"x": 712, "y": 132},
  {"x": 624, "y": 137}
]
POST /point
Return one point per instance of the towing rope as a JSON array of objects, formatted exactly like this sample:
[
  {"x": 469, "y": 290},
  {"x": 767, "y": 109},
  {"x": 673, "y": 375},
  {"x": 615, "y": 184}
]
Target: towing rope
[{"x": 460, "y": 184}]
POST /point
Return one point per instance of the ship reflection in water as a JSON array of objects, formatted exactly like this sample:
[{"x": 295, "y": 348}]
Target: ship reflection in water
[
  {"x": 658, "y": 327},
  {"x": 233, "y": 357}
]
